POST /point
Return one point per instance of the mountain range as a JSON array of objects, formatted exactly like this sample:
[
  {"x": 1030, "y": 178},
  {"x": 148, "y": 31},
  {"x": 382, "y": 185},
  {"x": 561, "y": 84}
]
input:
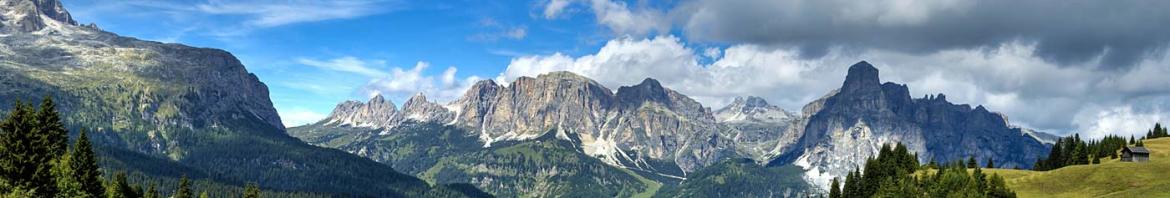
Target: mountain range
[
  {"x": 655, "y": 131},
  {"x": 168, "y": 110}
]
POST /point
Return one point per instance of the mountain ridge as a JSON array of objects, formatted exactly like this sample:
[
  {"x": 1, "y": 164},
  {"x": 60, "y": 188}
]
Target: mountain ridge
[{"x": 194, "y": 108}]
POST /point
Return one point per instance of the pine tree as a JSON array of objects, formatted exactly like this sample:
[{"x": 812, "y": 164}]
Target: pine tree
[
  {"x": 16, "y": 148},
  {"x": 971, "y": 162},
  {"x": 1131, "y": 140},
  {"x": 1139, "y": 143},
  {"x": 990, "y": 163},
  {"x": 253, "y": 191},
  {"x": 834, "y": 189},
  {"x": 184, "y": 190},
  {"x": 117, "y": 188},
  {"x": 50, "y": 141},
  {"x": 83, "y": 162}
]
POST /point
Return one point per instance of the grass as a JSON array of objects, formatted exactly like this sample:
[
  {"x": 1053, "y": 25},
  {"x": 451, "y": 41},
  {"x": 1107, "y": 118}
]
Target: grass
[
  {"x": 651, "y": 186},
  {"x": 1111, "y": 178}
]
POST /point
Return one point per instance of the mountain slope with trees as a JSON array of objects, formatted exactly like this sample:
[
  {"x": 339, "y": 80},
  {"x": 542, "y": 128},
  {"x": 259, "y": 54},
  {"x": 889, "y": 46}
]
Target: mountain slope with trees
[{"x": 166, "y": 110}]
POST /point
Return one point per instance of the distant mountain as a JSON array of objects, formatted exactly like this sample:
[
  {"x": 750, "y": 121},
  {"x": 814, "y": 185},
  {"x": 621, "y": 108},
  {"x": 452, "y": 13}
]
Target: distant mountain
[
  {"x": 842, "y": 129},
  {"x": 755, "y": 126},
  {"x": 645, "y": 126},
  {"x": 168, "y": 110},
  {"x": 665, "y": 136}
]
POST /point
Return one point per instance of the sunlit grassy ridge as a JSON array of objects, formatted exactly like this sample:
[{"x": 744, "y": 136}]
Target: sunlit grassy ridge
[{"x": 1111, "y": 178}]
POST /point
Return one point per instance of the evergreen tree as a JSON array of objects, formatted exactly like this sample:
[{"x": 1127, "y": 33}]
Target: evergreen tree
[
  {"x": 835, "y": 189},
  {"x": 253, "y": 191},
  {"x": 50, "y": 142},
  {"x": 16, "y": 148},
  {"x": 1139, "y": 143},
  {"x": 31, "y": 144},
  {"x": 971, "y": 162},
  {"x": 83, "y": 163},
  {"x": 184, "y": 190},
  {"x": 116, "y": 187},
  {"x": 990, "y": 163}
]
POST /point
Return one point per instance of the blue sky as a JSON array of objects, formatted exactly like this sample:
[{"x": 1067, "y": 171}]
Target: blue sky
[
  {"x": 479, "y": 38},
  {"x": 1085, "y": 70}
]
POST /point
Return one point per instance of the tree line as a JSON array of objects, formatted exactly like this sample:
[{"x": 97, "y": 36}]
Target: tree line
[
  {"x": 36, "y": 160},
  {"x": 896, "y": 173},
  {"x": 1073, "y": 150}
]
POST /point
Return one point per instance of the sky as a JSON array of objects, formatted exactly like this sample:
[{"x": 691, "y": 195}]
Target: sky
[{"x": 1059, "y": 66}]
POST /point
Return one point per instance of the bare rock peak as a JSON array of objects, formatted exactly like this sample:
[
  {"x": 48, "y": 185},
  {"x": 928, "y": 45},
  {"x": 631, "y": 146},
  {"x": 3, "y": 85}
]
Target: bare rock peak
[
  {"x": 29, "y": 15},
  {"x": 861, "y": 76}
]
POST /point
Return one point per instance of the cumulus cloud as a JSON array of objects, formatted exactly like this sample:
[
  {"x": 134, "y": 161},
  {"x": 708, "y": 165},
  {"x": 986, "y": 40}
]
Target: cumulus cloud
[
  {"x": 402, "y": 83},
  {"x": 618, "y": 16},
  {"x": 1120, "y": 33},
  {"x": 1117, "y": 120},
  {"x": 1011, "y": 78}
]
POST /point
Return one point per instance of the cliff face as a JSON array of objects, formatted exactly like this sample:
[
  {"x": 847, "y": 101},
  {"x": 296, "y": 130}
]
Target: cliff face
[
  {"x": 644, "y": 126},
  {"x": 841, "y": 130},
  {"x": 197, "y": 107}
]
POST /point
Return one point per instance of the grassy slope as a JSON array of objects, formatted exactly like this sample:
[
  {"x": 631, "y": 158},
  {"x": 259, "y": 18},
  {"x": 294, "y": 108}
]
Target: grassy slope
[{"x": 1111, "y": 178}]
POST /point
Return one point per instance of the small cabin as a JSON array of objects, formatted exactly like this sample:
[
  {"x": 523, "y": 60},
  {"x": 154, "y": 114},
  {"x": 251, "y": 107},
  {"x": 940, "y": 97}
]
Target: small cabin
[{"x": 1135, "y": 154}]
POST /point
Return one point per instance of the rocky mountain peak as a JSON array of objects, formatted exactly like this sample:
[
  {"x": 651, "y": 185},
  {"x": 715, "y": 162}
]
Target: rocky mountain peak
[
  {"x": 33, "y": 15},
  {"x": 862, "y": 77},
  {"x": 753, "y": 109},
  {"x": 417, "y": 99},
  {"x": 753, "y": 102},
  {"x": 648, "y": 90}
]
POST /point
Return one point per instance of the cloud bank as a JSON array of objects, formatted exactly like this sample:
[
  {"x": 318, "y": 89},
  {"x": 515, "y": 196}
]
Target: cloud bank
[{"x": 1010, "y": 78}]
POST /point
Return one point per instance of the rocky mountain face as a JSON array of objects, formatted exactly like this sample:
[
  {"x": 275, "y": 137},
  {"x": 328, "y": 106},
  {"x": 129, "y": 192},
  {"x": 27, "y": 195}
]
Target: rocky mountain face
[
  {"x": 652, "y": 129},
  {"x": 383, "y": 114},
  {"x": 841, "y": 130},
  {"x": 644, "y": 126},
  {"x": 198, "y": 108},
  {"x": 755, "y": 126},
  {"x": 34, "y": 15}
]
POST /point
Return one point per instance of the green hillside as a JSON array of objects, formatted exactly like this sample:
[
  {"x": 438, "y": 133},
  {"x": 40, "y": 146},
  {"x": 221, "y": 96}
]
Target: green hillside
[{"x": 1111, "y": 178}]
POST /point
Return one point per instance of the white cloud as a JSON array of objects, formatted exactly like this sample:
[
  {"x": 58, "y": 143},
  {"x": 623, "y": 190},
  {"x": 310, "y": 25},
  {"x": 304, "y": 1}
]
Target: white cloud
[
  {"x": 554, "y": 8},
  {"x": 1116, "y": 120},
  {"x": 404, "y": 83},
  {"x": 347, "y": 64},
  {"x": 269, "y": 14},
  {"x": 297, "y": 117},
  {"x": 618, "y": 16},
  {"x": 1010, "y": 78}
]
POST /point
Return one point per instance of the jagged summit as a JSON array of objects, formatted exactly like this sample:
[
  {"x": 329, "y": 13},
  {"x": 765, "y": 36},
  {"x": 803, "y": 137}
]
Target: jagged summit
[
  {"x": 649, "y": 90},
  {"x": 846, "y": 127},
  {"x": 33, "y": 15},
  {"x": 751, "y": 102}
]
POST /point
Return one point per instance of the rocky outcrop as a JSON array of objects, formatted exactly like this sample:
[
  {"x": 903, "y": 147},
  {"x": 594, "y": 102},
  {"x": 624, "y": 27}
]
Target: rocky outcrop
[
  {"x": 841, "y": 130},
  {"x": 33, "y": 15},
  {"x": 755, "y": 126}
]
